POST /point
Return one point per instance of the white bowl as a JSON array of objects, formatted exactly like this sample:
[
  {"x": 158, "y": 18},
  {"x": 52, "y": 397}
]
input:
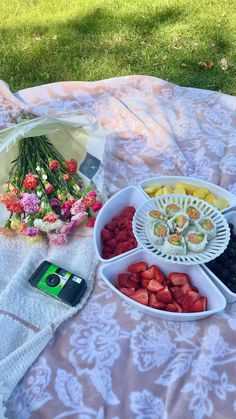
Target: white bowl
[
  {"x": 213, "y": 248},
  {"x": 216, "y": 301},
  {"x": 125, "y": 197},
  {"x": 172, "y": 180},
  {"x": 229, "y": 295}
]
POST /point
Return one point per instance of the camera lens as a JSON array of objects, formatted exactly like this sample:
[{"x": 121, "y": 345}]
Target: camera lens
[{"x": 52, "y": 280}]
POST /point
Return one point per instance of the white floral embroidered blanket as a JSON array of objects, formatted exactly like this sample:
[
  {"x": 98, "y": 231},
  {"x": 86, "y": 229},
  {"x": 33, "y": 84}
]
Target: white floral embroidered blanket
[{"x": 110, "y": 361}]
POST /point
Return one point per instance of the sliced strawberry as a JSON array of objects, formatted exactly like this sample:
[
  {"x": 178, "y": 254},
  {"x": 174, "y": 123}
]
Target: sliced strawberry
[
  {"x": 179, "y": 309},
  {"x": 186, "y": 287},
  {"x": 137, "y": 267},
  {"x": 130, "y": 283},
  {"x": 152, "y": 299},
  {"x": 164, "y": 296},
  {"x": 135, "y": 276},
  {"x": 159, "y": 276},
  {"x": 186, "y": 303},
  {"x": 177, "y": 294},
  {"x": 145, "y": 282},
  {"x": 199, "y": 305},
  {"x": 155, "y": 286},
  {"x": 141, "y": 296},
  {"x": 159, "y": 306},
  {"x": 193, "y": 295},
  {"x": 171, "y": 307},
  {"x": 122, "y": 279},
  {"x": 154, "y": 303},
  {"x": 178, "y": 278},
  {"x": 149, "y": 273},
  {"x": 127, "y": 291}
]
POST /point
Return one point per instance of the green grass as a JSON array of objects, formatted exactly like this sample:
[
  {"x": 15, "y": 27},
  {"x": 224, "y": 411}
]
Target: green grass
[{"x": 43, "y": 41}]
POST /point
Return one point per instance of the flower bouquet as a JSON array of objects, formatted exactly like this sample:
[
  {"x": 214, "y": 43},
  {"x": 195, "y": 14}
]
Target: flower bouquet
[{"x": 44, "y": 194}]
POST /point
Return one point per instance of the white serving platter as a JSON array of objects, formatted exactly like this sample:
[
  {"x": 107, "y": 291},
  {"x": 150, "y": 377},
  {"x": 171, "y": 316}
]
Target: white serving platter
[
  {"x": 229, "y": 295},
  {"x": 173, "y": 180},
  {"x": 128, "y": 196},
  {"x": 216, "y": 301},
  {"x": 214, "y": 247}
]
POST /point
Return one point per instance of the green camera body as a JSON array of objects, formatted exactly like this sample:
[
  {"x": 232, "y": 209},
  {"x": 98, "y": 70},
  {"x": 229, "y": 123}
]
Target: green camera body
[{"x": 59, "y": 283}]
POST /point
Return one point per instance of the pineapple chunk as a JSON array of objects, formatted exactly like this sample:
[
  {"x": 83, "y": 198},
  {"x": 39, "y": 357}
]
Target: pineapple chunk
[
  {"x": 152, "y": 195},
  {"x": 151, "y": 188},
  {"x": 188, "y": 187},
  {"x": 179, "y": 190},
  {"x": 168, "y": 190},
  {"x": 201, "y": 193},
  {"x": 160, "y": 192},
  {"x": 220, "y": 203},
  {"x": 210, "y": 198}
]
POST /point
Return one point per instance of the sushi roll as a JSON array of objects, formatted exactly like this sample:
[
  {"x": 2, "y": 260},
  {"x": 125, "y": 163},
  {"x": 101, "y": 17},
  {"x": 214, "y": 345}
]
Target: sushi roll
[
  {"x": 158, "y": 232},
  {"x": 196, "y": 241},
  {"x": 179, "y": 223},
  {"x": 172, "y": 209},
  {"x": 206, "y": 225},
  {"x": 174, "y": 245},
  {"x": 156, "y": 215},
  {"x": 194, "y": 214}
]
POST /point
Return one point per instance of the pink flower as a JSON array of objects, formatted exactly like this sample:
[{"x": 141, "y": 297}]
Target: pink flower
[
  {"x": 49, "y": 188},
  {"x": 97, "y": 206},
  {"x": 91, "y": 222},
  {"x": 80, "y": 217},
  {"x": 65, "y": 209},
  {"x": 66, "y": 177},
  {"x": 30, "y": 202},
  {"x": 67, "y": 228},
  {"x": 92, "y": 193},
  {"x": 89, "y": 201},
  {"x": 57, "y": 239},
  {"x": 77, "y": 207}
]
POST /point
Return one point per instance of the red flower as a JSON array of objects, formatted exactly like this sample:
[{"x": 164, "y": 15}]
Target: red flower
[
  {"x": 30, "y": 181},
  {"x": 97, "y": 206},
  {"x": 54, "y": 165},
  {"x": 50, "y": 217},
  {"x": 15, "y": 207},
  {"x": 71, "y": 166},
  {"x": 91, "y": 222},
  {"x": 49, "y": 188},
  {"x": 67, "y": 177}
]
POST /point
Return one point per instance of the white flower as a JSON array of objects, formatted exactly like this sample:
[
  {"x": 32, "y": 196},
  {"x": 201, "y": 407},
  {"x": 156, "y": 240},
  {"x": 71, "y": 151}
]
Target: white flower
[
  {"x": 46, "y": 226},
  {"x": 39, "y": 193},
  {"x": 44, "y": 177},
  {"x": 38, "y": 168}
]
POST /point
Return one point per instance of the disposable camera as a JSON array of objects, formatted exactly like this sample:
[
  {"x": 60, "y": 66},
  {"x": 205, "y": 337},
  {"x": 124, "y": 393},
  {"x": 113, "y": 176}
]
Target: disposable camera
[{"x": 59, "y": 283}]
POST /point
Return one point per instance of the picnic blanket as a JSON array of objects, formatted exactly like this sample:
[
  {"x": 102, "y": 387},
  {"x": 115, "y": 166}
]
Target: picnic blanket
[{"x": 111, "y": 361}]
